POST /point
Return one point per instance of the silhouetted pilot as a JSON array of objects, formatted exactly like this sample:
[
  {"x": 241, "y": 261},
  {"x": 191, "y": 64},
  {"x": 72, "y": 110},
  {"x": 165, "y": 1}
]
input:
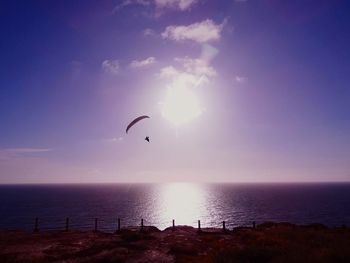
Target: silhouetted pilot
[{"x": 147, "y": 138}]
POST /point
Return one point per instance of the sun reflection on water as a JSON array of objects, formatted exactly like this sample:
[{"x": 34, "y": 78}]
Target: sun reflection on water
[{"x": 184, "y": 202}]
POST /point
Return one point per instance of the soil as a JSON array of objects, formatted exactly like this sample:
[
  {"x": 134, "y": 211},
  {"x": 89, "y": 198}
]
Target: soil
[{"x": 269, "y": 242}]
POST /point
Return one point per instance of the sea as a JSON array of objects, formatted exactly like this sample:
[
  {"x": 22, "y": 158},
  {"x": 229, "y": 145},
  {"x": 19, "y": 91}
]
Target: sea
[{"x": 159, "y": 204}]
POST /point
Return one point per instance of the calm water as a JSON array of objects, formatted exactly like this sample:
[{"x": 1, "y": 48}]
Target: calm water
[{"x": 238, "y": 204}]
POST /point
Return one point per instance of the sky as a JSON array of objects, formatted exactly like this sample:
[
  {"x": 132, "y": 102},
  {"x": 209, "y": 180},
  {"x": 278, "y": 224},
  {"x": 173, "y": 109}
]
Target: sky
[{"x": 236, "y": 91}]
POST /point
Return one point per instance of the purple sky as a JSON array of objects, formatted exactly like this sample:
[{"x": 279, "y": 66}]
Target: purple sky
[{"x": 237, "y": 91}]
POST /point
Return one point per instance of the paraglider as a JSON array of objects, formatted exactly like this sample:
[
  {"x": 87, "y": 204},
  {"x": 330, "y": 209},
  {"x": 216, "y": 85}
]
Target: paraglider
[{"x": 136, "y": 121}]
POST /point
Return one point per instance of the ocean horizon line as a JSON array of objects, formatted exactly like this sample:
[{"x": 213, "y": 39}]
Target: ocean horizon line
[{"x": 179, "y": 182}]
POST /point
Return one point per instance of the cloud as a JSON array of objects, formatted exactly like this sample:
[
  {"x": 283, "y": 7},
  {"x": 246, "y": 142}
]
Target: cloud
[
  {"x": 9, "y": 153},
  {"x": 111, "y": 66},
  {"x": 27, "y": 150},
  {"x": 201, "y": 32},
  {"x": 181, "y": 5},
  {"x": 181, "y": 77},
  {"x": 200, "y": 67},
  {"x": 241, "y": 79},
  {"x": 208, "y": 52},
  {"x": 182, "y": 84},
  {"x": 197, "y": 66},
  {"x": 194, "y": 71},
  {"x": 126, "y": 3},
  {"x": 149, "y": 32},
  {"x": 192, "y": 74},
  {"x": 119, "y": 139},
  {"x": 142, "y": 63},
  {"x": 175, "y": 4},
  {"x": 168, "y": 72}
]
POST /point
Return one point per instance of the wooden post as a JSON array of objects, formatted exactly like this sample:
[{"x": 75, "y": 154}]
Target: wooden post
[
  {"x": 141, "y": 224},
  {"x": 118, "y": 225},
  {"x": 95, "y": 224},
  {"x": 199, "y": 226},
  {"x": 36, "y": 225},
  {"x": 224, "y": 226},
  {"x": 173, "y": 225},
  {"x": 254, "y": 225},
  {"x": 67, "y": 224}
]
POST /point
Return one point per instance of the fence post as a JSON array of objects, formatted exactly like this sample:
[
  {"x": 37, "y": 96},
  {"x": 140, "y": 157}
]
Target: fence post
[
  {"x": 173, "y": 225},
  {"x": 141, "y": 224},
  {"x": 118, "y": 229},
  {"x": 67, "y": 224},
  {"x": 95, "y": 224},
  {"x": 199, "y": 226},
  {"x": 36, "y": 225},
  {"x": 224, "y": 226},
  {"x": 254, "y": 225}
]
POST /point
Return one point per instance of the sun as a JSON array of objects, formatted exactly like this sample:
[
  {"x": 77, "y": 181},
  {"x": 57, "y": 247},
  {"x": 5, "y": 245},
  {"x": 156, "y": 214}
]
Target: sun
[{"x": 180, "y": 105}]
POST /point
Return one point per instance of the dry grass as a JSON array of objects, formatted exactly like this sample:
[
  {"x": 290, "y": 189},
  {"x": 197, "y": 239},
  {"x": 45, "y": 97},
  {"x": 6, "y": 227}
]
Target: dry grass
[{"x": 268, "y": 243}]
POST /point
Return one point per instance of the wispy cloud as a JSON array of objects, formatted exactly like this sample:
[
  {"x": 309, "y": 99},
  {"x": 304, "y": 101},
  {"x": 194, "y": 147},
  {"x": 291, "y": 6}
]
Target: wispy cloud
[
  {"x": 241, "y": 79},
  {"x": 193, "y": 71},
  {"x": 114, "y": 67},
  {"x": 142, "y": 63},
  {"x": 111, "y": 66},
  {"x": 187, "y": 76},
  {"x": 175, "y": 4},
  {"x": 9, "y": 153},
  {"x": 182, "y": 83},
  {"x": 27, "y": 150},
  {"x": 114, "y": 140},
  {"x": 126, "y": 3},
  {"x": 149, "y": 32},
  {"x": 181, "y": 77},
  {"x": 197, "y": 66},
  {"x": 200, "y": 32},
  {"x": 181, "y": 5},
  {"x": 168, "y": 72}
]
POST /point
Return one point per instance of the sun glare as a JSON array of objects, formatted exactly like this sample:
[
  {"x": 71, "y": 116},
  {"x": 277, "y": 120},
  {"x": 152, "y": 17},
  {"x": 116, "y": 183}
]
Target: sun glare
[
  {"x": 184, "y": 202},
  {"x": 180, "y": 105}
]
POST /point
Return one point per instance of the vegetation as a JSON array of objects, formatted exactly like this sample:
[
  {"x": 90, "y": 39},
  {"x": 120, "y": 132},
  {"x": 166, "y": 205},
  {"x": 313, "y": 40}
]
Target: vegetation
[{"x": 269, "y": 242}]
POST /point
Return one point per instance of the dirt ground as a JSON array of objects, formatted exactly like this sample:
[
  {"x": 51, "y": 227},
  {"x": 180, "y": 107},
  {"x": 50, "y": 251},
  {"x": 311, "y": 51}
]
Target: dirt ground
[{"x": 269, "y": 242}]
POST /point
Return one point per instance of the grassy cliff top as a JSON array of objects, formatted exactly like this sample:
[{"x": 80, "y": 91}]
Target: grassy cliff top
[{"x": 269, "y": 242}]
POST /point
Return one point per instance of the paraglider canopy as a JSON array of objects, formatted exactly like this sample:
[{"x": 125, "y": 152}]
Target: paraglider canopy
[{"x": 136, "y": 121}]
